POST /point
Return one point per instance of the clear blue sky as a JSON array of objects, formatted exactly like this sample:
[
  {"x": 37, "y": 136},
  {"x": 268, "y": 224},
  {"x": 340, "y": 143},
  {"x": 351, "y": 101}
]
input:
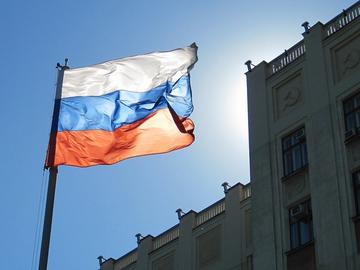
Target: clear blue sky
[{"x": 98, "y": 210}]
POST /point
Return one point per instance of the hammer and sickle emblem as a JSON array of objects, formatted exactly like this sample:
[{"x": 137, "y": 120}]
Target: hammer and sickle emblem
[
  {"x": 351, "y": 60},
  {"x": 291, "y": 98}
]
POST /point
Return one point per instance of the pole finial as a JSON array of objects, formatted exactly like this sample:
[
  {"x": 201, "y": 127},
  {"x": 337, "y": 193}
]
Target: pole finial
[{"x": 63, "y": 67}]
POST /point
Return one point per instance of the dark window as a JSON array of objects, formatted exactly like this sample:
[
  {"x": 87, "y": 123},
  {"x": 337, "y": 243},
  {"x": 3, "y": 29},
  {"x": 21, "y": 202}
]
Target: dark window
[
  {"x": 301, "y": 226},
  {"x": 249, "y": 263},
  {"x": 356, "y": 178},
  {"x": 294, "y": 151},
  {"x": 352, "y": 113}
]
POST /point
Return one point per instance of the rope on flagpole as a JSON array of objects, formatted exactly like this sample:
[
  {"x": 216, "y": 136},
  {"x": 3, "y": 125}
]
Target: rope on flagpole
[
  {"x": 53, "y": 170},
  {"x": 41, "y": 203},
  {"x": 39, "y": 214}
]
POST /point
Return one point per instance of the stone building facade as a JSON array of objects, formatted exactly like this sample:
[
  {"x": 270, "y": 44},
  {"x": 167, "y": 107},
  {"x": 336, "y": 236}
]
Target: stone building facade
[
  {"x": 218, "y": 237},
  {"x": 304, "y": 138},
  {"x": 304, "y": 129}
]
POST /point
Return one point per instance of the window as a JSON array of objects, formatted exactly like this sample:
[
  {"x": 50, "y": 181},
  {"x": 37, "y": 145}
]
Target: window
[
  {"x": 352, "y": 114},
  {"x": 301, "y": 225},
  {"x": 249, "y": 263},
  {"x": 294, "y": 151},
  {"x": 356, "y": 179}
]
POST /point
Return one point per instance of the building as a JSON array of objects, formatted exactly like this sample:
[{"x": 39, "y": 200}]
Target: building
[
  {"x": 304, "y": 131},
  {"x": 304, "y": 127},
  {"x": 218, "y": 237}
]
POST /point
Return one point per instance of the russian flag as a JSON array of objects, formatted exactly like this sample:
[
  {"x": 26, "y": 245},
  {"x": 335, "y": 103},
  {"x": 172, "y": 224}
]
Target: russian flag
[{"x": 125, "y": 108}]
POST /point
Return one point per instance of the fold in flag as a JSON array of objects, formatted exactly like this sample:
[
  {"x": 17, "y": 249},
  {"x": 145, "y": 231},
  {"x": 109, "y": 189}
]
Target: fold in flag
[{"x": 125, "y": 108}]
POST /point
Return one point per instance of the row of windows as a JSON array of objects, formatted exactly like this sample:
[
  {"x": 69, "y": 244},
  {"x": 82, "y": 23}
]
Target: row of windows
[
  {"x": 294, "y": 145},
  {"x": 352, "y": 128},
  {"x": 301, "y": 222},
  {"x": 294, "y": 155}
]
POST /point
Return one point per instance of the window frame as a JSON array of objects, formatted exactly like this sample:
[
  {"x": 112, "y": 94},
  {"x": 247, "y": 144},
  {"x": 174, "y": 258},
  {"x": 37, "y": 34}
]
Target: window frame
[
  {"x": 289, "y": 170},
  {"x": 356, "y": 189},
  {"x": 353, "y": 112},
  {"x": 297, "y": 223}
]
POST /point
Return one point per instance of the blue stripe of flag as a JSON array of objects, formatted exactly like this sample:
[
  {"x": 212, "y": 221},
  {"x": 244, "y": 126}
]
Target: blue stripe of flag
[{"x": 122, "y": 107}]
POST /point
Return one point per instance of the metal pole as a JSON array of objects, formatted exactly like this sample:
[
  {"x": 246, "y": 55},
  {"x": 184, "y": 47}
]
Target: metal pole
[{"x": 45, "y": 241}]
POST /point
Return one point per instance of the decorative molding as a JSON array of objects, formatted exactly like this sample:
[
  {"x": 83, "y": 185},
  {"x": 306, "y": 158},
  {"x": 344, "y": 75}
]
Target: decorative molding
[
  {"x": 347, "y": 58},
  {"x": 291, "y": 97},
  {"x": 351, "y": 60},
  {"x": 166, "y": 262},
  {"x": 209, "y": 247},
  {"x": 288, "y": 95},
  {"x": 295, "y": 187}
]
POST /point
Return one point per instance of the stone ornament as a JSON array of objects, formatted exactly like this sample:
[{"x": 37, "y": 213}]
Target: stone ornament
[{"x": 351, "y": 60}]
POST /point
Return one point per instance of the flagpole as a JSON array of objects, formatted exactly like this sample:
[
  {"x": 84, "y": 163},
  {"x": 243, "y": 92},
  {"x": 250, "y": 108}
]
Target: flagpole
[
  {"x": 53, "y": 170},
  {"x": 45, "y": 242}
]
